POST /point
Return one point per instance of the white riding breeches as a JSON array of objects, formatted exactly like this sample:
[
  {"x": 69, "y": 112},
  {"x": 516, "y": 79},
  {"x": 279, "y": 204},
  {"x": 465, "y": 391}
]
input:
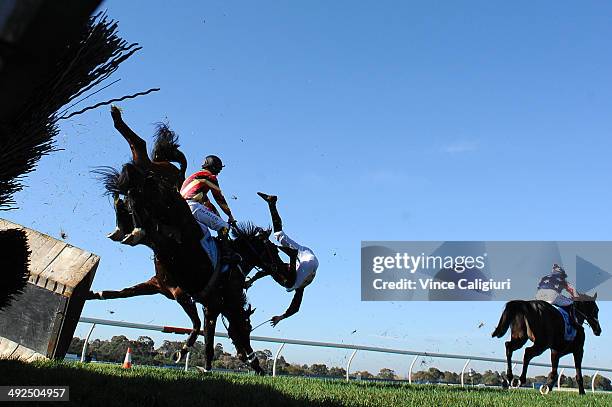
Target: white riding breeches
[
  {"x": 307, "y": 262},
  {"x": 207, "y": 219},
  {"x": 553, "y": 297}
]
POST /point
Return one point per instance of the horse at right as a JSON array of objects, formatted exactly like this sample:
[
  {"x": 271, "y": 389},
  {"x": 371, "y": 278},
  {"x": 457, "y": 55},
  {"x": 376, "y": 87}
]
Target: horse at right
[{"x": 542, "y": 324}]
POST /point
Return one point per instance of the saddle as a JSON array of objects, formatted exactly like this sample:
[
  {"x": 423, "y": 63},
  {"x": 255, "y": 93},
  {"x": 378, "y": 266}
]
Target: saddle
[{"x": 569, "y": 333}]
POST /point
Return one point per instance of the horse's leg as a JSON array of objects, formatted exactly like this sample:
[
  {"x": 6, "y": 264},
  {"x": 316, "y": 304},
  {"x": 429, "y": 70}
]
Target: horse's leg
[
  {"x": 124, "y": 223},
  {"x": 578, "y": 353},
  {"x": 191, "y": 310},
  {"x": 531, "y": 352},
  {"x": 210, "y": 323},
  {"x": 149, "y": 287},
  {"x": 241, "y": 341},
  {"x": 554, "y": 361},
  {"x": 137, "y": 144},
  {"x": 512, "y": 345},
  {"x": 137, "y": 232},
  {"x": 248, "y": 356}
]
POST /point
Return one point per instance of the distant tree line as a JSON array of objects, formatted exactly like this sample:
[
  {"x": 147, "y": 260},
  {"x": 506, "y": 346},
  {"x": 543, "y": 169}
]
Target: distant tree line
[{"x": 145, "y": 353}]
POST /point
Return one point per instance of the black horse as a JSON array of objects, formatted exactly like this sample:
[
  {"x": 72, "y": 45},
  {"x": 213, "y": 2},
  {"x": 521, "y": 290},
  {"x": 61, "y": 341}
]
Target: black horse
[
  {"x": 542, "y": 323},
  {"x": 183, "y": 270},
  {"x": 252, "y": 243}
]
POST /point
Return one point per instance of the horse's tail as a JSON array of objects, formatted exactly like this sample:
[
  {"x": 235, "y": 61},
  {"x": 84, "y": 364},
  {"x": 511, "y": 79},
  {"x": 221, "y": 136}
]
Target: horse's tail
[
  {"x": 110, "y": 178},
  {"x": 511, "y": 310}
]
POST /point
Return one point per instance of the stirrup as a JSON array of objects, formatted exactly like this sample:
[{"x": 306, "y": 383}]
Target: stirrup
[
  {"x": 134, "y": 237},
  {"x": 116, "y": 235}
]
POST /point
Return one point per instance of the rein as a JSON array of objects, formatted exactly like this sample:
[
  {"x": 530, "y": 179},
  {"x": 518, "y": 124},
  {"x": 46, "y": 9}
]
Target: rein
[
  {"x": 583, "y": 315},
  {"x": 255, "y": 252},
  {"x": 265, "y": 322}
]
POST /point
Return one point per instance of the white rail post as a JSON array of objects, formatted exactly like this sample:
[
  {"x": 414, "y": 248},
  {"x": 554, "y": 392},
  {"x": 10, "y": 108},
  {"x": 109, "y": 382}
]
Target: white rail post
[
  {"x": 275, "y": 359},
  {"x": 85, "y": 344},
  {"x": 463, "y": 370},
  {"x": 593, "y": 381},
  {"x": 348, "y": 365},
  {"x": 559, "y": 378},
  {"x": 410, "y": 371},
  {"x": 187, "y": 361}
]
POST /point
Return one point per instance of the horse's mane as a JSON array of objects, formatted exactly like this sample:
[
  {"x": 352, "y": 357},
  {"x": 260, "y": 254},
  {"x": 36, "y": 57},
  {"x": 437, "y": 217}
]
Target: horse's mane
[
  {"x": 248, "y": 230},
  {"x": 585, "y": 297},
  {"x": 165, "y": 141},
  {"x": 166, "y": 146},
  {"x": 236, "y": 296}
]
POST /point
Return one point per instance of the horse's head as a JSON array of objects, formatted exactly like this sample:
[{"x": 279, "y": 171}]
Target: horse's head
[
  {"x": 240, "y": 327},
  {"x": 588, "y": 310},
  {"x": 255, "y": 247}
]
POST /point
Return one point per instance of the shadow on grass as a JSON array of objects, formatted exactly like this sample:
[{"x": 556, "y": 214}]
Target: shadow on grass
[{"x": 104, "y": 386}]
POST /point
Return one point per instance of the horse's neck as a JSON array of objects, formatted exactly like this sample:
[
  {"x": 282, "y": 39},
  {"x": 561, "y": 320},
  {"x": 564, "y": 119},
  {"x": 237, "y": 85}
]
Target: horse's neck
[{"x": 246, "y": 268}]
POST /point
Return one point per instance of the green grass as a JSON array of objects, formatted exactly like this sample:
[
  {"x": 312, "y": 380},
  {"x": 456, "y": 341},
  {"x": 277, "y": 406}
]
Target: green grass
[{"x": 110, "y": 385}]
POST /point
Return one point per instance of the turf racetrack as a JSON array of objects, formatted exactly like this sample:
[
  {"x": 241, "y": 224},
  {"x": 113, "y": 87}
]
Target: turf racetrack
[{"x": 110, "y": 385}]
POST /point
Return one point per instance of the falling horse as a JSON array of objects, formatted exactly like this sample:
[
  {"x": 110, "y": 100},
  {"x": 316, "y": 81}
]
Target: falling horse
[
  {"x": 228, "y": 299},
  {"x": 544, "y": 325},
  {"x": 183, "y": 270},
  {"x": 165, "y": 150}
]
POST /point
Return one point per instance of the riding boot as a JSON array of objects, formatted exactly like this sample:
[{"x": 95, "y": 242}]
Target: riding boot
[
  {"x": 228, "y": 255},
  {"x": 277, "y": 222}
]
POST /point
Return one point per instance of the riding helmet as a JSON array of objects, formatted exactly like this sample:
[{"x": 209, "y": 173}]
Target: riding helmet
[
  {"x": 558, "y": 269},
  {"x": 213, "y": 164}
]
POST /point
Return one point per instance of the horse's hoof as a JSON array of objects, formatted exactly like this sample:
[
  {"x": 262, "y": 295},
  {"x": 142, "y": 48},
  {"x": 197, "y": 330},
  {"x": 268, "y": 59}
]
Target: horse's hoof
[
  {"x": 134, "y": 237},
  {"x": 515, "y": 383},
  {"x": 116, "y": 235},
  {"x": 544, "y": 389},
  {"x": 178, "y": 355},
  {"x": 202, "y": 369}
]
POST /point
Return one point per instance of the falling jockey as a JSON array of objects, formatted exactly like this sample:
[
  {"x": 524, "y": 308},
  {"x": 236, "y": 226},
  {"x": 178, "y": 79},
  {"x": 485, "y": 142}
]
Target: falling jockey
[
  {"x": 298, "y": 273},
  {"x": 551, "y": 287},
  {"x": 195, "y": 191}
]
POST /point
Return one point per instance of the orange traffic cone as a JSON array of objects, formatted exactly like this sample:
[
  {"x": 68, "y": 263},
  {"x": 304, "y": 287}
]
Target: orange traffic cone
[{"x": 127, "y": 362}]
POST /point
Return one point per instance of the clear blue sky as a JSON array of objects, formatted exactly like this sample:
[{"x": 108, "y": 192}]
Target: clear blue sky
[{"x": 378, "y": 120}]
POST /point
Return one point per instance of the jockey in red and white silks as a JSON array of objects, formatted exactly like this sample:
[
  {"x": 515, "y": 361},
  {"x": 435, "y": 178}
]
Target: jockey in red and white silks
[{"x": 195, "y": 190}]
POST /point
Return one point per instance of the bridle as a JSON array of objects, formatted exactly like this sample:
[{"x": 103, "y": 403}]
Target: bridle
[
  {"x": 585, "y": 317},
  {"x": 256, "y": 254}
]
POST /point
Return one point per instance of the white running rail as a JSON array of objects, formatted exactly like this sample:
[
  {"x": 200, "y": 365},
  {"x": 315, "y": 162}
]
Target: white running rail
[{"x": 285, "y": 341}]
